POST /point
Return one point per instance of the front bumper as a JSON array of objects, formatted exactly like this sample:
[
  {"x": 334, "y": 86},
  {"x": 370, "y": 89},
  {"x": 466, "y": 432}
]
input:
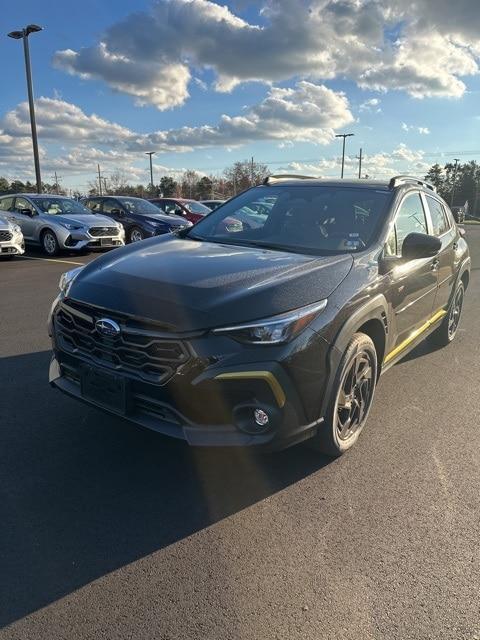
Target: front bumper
[
  {"x": 201, "y": 388},
  {"x": 72, "y": 243},
  {"x": 146, "y": 409},
  {"x": 15, "y": 246}
]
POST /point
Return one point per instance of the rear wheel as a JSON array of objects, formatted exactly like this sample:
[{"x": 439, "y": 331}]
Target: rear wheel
[
  {"x": 447, "y": 331},
  {"x": 351, "y": 399},
  {"x": 50, "y": 243},
  {"x": 135, "y": 235}
]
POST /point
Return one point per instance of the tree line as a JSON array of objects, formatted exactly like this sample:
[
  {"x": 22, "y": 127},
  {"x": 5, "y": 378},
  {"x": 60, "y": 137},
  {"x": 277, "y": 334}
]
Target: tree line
[{"x": 457, "y": 184}]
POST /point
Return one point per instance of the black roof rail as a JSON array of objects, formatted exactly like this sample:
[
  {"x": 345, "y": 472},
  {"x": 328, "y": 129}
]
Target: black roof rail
[
  {"x": 286, "y": 176},
  {"x": 402, "y": 179}
]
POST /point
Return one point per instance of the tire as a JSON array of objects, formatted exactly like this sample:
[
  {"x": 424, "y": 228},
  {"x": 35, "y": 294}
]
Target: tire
[
  {"x": 50, "y": 244},
  {"x": 135, "y": 235},
  {"x": 446, "y": 332},
  {"x": 343, "y": 425}
]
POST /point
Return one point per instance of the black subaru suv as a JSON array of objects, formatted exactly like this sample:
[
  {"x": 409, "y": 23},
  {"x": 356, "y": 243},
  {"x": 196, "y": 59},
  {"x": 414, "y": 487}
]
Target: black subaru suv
[{"x": 270, "y": 333}]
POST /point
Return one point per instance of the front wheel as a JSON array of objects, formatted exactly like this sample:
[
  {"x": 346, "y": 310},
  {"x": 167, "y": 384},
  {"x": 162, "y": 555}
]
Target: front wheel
[
  {"x": 135, "y": 235},
  {"x": 351, "y": 399},
  {"x": 447, "y": 331},
  {"x": 50, "y": 243}
]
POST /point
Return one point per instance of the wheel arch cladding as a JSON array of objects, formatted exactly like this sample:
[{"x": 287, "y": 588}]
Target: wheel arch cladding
[
  {"x": 465, "y": 278},
  {"x": 375, "y": 329},
  {"x": 373, "y": 319}
]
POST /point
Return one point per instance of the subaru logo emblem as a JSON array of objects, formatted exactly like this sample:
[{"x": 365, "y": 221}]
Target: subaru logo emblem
[{"x": 107, "y": 328}]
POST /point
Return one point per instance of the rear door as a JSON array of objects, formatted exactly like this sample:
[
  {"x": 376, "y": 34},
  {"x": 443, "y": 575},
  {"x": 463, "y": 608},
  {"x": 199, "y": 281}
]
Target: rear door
[
  {"x": 413, "y": 283},
  {"x": 442, "y": 226}
]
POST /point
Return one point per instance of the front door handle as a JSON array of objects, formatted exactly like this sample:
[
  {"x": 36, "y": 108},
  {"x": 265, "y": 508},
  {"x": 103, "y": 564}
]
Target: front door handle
[{"x": 434, "y": 265}]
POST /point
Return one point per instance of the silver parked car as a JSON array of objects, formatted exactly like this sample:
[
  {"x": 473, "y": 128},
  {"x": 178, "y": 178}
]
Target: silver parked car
[
  {"x": 11, "y": 239},
  {"x": 58, "y": 223}
]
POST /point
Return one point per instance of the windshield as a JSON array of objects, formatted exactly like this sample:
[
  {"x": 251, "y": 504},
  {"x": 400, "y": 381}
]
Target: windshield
[
  {"x": 196, "y": 207},
  {"x": 307, "y": 219},
  {"x": 139, "y": 206},
  {"x": 61, "y": 206}
]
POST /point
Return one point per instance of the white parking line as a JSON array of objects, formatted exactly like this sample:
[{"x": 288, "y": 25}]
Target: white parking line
[{"x": 80, "y": 264}]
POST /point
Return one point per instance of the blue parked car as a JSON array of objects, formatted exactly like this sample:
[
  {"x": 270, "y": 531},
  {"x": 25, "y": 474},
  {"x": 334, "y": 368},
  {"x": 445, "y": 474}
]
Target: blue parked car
[{"x": 140, "y": 218}]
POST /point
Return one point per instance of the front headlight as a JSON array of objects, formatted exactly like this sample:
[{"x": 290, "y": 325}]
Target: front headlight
[
  {"x": 70, "y": 226},
  {"x": 275, "y": 330},
  {"x": 66, "y": 280}
]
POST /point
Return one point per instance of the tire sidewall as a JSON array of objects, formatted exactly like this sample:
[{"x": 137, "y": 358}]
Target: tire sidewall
[
  {"x": 359, "y": 342},
  {"x": 131, "y": 232},
  {"x": 459, "y": 287},
  {"x": 56, "y": 249}
]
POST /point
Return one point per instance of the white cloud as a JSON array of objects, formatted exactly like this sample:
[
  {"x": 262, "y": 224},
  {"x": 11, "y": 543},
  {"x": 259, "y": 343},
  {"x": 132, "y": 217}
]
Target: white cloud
[
  {"x": 424, "y": 131},
  {"x": 306, "y": 112},
  {"x": 379, "y": 165},
  {"x": 150, "y": 54},
  {"x": 373, "y": 104}
]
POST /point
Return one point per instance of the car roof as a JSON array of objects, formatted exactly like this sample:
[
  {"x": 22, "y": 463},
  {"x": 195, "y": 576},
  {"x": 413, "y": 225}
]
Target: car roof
[{"x": 35, "y": 195}]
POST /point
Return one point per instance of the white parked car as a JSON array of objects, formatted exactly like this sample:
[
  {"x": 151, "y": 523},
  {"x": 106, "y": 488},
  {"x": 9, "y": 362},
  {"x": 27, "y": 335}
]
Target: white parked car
[{"x": 11, "y": 239}]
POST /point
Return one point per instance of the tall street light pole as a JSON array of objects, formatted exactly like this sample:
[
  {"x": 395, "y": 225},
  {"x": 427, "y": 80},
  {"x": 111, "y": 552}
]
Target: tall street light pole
[
  {"x": 150, "y": 153},
  {"x": 344, "y": 136},
  {"x": 23, "y": 35},
  {"x": 457, "y": 160}
]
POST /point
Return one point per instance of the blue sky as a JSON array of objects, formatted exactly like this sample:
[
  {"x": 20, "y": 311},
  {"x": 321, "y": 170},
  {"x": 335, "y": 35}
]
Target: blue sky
[{"x": 288, "y": 74}]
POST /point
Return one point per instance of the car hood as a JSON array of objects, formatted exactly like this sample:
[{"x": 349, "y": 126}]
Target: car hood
[
  {"x": 188, "y": 285},
  {"x": 84, "y": 220},
  {"x": 163, "y": 218},
  {"x": 5, "y": 224}
]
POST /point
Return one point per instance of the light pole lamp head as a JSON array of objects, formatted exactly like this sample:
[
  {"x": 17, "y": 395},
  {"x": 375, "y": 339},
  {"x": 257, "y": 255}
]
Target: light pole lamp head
[
  {"x": 32, "y": 28},
  {"x": 16, "y": 35}
]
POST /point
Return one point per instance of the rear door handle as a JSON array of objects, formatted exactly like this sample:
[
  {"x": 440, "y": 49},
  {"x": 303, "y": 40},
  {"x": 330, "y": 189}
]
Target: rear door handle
[{"x": 434, "y": 265}]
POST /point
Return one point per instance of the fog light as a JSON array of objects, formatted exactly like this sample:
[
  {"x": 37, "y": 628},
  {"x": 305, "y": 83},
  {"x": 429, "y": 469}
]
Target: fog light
[{"x": 261, "y": 418}]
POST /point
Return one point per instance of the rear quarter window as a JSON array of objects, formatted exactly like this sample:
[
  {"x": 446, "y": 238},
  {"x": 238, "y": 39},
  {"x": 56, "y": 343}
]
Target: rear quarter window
[{"x": 440, "y": 222}]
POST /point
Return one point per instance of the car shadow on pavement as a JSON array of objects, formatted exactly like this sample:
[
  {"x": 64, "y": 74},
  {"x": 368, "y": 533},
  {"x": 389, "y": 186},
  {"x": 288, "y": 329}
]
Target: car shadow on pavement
[{"x": 83, "y": 493}]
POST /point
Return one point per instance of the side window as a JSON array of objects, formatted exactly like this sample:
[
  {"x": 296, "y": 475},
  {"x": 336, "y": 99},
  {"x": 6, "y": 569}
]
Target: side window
[
  {"x": 410, "y": 219},
  {"x": 6, "y": 204},
  {"x": 172, "y": 208},
  {"x": 21, "y": 203},
  {"x": 439, "y": 218},
  {"x": 109, "y": 205},
  {"x": 93, "y": 205}
]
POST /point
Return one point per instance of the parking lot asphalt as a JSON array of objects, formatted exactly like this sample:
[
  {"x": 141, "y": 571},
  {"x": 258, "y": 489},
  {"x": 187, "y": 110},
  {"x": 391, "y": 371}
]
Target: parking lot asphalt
[{"x": 111, "y": 531}]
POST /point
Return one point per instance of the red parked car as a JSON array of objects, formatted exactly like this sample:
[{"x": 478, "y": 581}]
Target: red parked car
[{"x": 189, "y": 209}]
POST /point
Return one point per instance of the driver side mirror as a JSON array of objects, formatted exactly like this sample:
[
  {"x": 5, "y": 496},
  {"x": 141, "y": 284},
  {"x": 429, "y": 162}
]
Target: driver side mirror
[{"x": 420, "y": 245}]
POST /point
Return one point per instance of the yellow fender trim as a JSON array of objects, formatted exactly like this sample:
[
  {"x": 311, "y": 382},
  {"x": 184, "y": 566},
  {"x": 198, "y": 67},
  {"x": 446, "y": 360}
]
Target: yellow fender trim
[
  {"x": 268, "y": 377},
  {"x": 403, "y": 345}
]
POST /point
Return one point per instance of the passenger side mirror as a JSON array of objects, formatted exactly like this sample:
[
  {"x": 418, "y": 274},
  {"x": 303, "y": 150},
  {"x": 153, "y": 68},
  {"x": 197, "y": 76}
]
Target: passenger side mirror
[
  {"x": 27, "y": 212},
  {"x": 117, "y": 212},
  {"x": 420, "y": 245}
]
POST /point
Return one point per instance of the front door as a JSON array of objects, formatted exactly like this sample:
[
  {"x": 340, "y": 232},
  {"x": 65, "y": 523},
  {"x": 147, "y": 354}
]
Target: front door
[
  {"x": 413, "y": 283},
  {"x": 27, "y": 223}
]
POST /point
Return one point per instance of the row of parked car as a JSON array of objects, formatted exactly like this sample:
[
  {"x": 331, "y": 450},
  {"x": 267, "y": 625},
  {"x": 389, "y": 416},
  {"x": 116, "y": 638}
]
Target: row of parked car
[{"x": 57, "y": 223}]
